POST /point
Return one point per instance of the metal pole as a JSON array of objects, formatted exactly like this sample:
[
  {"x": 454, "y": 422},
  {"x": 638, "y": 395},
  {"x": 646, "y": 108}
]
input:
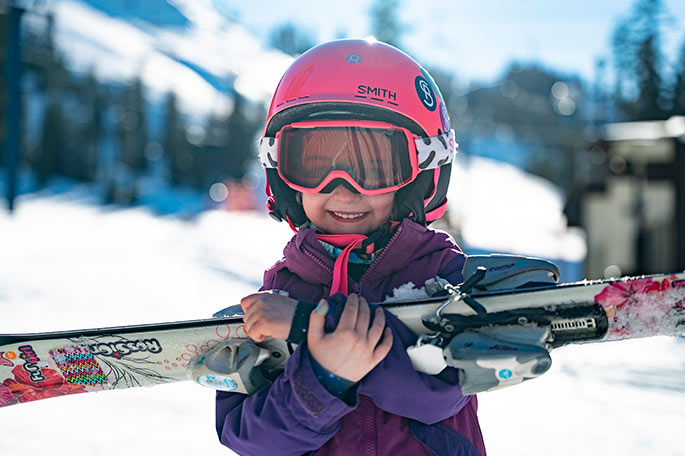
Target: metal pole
[
  {"x": 679, "y": 184},
  {"x": 13, "y": 108}
]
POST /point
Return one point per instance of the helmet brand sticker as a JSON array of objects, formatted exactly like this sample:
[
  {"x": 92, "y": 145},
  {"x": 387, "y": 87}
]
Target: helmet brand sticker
[
  {"x": 425, "y": 93},
  {"x": 354, "y": 59},
  {"x": 376, "y": 93},
  {"x": 433, "y": 85}
]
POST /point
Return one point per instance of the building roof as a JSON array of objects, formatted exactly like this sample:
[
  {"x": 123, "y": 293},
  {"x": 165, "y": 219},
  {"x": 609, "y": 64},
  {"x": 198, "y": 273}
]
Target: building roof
[{"x": 650, "y": 130}]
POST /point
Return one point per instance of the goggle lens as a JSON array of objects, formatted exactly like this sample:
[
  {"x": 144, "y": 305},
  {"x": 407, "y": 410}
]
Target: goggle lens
[{"x": 375, "y": 158}]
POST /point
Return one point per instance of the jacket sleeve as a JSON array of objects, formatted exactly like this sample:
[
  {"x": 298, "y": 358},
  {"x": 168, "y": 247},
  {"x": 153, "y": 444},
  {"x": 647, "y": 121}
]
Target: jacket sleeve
[
  {"x": 453, "y": 270},
  {"x": 425, "y": 398},
  {"x": 422, "y": 397},
  {"x": 292, "y": 416}
]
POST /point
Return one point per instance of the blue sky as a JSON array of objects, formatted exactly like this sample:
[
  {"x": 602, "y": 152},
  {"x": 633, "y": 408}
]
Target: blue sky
[{"x": 476, "y": 39}]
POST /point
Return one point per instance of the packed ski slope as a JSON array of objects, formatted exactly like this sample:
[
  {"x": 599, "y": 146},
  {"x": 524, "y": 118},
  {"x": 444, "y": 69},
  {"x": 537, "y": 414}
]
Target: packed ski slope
[{"x": 66, "y": 263}]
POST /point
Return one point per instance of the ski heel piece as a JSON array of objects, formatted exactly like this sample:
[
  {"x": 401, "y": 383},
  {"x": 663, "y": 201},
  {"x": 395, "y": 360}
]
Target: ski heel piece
[
  {"x": 238, "y": 365},
  {"x": 506, "y": 357}
]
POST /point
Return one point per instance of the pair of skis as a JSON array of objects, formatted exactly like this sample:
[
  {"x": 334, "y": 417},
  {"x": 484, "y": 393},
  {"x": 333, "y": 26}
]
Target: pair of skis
[{"x": 498, "y": 328}]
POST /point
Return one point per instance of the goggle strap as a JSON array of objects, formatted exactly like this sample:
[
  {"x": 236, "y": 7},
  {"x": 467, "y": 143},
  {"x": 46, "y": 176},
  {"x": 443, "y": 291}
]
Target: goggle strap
[
  {"x": 436, "y": 151},
  {"x": 268, "y": 152}
]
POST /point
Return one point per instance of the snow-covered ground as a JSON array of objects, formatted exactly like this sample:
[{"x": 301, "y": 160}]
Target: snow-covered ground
[
  {"x": 66, "y": 263},
  {"x": 202, "y": 61}
]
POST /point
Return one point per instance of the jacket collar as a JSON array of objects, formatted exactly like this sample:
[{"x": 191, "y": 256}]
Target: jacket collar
[{"x": 307, "y": 258}]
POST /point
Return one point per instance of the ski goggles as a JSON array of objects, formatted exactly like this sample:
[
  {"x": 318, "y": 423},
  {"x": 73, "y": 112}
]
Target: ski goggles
[{"x": 373, "y": 157}]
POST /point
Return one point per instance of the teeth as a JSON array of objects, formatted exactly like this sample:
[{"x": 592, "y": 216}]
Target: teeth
[{"x": 349, "y": 216}]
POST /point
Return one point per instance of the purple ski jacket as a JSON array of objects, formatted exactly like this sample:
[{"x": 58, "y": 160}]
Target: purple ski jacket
[{"x": 396, "y": 410}]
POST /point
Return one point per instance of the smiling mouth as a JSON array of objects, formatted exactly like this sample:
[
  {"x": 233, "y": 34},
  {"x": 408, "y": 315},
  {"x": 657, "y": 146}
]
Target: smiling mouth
[{"x": 348, "y": 215}]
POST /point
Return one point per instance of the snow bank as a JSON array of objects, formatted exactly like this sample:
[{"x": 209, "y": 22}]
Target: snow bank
[
  {"x": 501, "y": 208},
  {"x": 202, "y": 63},
  {"x": 66, "y": 263}
]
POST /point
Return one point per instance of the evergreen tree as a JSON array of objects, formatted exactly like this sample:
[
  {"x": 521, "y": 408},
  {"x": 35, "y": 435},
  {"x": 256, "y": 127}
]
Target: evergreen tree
[
  {"x": 3, "y": 88},
  {"x": 52, "y": 141},
  {"x": 291, "y": 40},
  {"x": 216, "y": 147},
  {"x": 52, "y": 154},
  {"x": 240, "y": 148},
  {"x": 217, "y": 130},
  {"x": 638, "y": 61},
  {"x": 533, "y": 119},
  {"x": 678, "y": 100},
  {"x": 90, "y": 134},
  {"x": 176, "y": 148},
  {"x": 132, "y": 136},
  {"x": 385, "y": 25},
  {"x": 132, "y": 128}
]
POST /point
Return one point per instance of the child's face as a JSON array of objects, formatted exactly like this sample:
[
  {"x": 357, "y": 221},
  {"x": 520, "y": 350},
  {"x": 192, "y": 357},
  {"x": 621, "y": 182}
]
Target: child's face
[{"x": 345, "y": 212}]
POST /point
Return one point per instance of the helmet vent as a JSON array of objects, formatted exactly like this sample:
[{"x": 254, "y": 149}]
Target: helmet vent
[{"x": 292, "y": 99}]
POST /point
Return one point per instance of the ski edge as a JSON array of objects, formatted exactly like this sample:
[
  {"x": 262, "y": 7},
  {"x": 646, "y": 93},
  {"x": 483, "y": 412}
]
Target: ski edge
[{"x": 116, "y": 330}]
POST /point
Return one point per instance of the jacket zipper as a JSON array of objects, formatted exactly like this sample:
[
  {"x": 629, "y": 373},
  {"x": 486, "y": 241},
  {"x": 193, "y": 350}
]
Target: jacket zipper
[
  {"x": 381, "y": 255},
  {"x": 369, "y": 431},
  {"x": 317, "y": 260}
]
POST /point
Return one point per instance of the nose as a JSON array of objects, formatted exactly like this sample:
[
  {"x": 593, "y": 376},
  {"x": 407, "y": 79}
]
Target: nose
[{"x": 342, "y": 193}]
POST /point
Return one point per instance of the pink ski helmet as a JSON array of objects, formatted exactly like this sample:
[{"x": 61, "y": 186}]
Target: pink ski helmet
[{"x": 355, "y": 80}]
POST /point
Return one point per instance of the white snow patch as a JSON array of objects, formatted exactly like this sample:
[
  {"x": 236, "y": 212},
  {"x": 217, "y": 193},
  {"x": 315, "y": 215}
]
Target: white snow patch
[
  {"x": 117, "y": 50},
  {"x": 501, "y": 208},
  {"x": 406, "y": 292}
]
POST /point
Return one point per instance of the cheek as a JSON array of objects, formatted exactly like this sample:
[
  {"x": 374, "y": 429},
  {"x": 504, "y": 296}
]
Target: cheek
[
  {"x": 383, "y": 204},
  {"x": 312, "y": 203}
]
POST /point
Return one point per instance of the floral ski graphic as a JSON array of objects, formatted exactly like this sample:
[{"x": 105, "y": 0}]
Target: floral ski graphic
[
  {"x": 23, "y": 389},
  {"x": 636, "y": 307}
]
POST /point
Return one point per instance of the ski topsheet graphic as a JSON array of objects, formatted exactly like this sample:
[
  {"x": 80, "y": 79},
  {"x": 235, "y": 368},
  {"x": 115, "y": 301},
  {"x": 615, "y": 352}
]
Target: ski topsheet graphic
[
  {"x": 39, "y": 366},
  {"x": 497, "y": 337}
]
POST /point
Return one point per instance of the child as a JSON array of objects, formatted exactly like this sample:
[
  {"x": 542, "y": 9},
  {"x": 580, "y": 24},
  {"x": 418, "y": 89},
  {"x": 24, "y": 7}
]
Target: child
[{"x": 357, "y": 150}]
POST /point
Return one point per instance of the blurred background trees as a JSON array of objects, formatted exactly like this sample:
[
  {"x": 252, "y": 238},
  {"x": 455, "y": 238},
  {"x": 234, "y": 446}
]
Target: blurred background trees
[
  {"x": 385, "y": 24},
  {"x": 678, "y": 104},
  {"x": 641, "y": 91},
  {"x": 89, "y": 130},
  {"x": 3, "y": 82},
  {"x": 532, "y": 116},
  {"x": 290, "y": 39}
]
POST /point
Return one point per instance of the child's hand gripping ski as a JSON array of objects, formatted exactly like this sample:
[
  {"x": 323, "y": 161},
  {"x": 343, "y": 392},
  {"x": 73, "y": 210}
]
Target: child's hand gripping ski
[
  {"x": 354, "y": 348},
  {"x": 268, "y": 314},
  {"x": 245, "y": 366}
]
